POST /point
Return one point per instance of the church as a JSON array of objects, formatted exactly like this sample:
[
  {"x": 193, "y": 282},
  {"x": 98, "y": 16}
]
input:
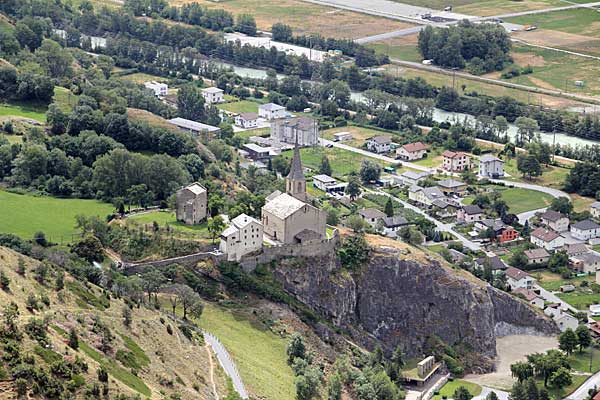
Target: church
[{"x": 286, "y": 217}]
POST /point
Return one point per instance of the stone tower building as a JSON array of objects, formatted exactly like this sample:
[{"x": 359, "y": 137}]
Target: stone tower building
[{"x": 295, "y": 182}]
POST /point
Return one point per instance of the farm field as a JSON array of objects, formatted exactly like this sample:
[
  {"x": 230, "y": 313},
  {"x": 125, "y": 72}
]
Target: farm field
[
  {"x": 581, "y": 21},
  {"x": 552, "y": 176},
  {"x": 306, "y": 18},
  {"x": 24, "y": 215},
  {"x": 403, "y": 48},
  {"x": 495, "y": 7},
  {"x": 520, "y": 200}
]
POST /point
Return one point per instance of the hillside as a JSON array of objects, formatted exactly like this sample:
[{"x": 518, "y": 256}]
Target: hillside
[{"x": 141, "y": 360}]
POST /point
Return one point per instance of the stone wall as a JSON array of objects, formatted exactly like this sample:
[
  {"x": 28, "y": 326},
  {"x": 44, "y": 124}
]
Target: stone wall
[{"x": 189, "y": 260}]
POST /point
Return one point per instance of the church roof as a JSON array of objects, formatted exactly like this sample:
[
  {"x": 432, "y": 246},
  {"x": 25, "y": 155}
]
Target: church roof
[
  {"x": 283, "y": 206},
  {"x": 296, "y": 172}
]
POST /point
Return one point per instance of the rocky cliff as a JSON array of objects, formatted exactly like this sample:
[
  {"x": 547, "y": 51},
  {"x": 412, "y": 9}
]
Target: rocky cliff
[{"x": 403, "y": 296}]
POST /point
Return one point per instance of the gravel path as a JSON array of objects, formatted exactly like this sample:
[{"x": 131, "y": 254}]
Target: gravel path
[{"x": 226, "y": 363}]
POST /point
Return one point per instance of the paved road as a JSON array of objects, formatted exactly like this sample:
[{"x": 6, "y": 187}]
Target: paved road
[
  {"x": 390, "y": 35},
  {"x": 227, "y": 364},
  {"x": 582, "y": 391}
]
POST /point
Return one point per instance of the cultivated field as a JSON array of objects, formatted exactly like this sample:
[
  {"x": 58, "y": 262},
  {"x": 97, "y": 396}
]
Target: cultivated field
[
  {"x": 306, "y": 18},
  {"x": 24, "y": 215},
  {"x": 583, "y": 21},
  {"x": 403, "y": 48}
]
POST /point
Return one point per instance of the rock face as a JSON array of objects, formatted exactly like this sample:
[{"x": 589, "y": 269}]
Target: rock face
[{"x": 401, "y": 300}]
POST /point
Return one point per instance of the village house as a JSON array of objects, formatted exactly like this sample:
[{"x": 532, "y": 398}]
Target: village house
[
  {"x": 371, "y": 216},
  {"x": 411, "y": 151},
  {"x": 425, "y": 196},
  {"x": 247, "y": 120},
  {"x": 469, "y": 214},
  {"x": 585, "y": 230},
  {"x": 256, "y": 152},
  {"x": 495, "y": 264},
  {"x": 555, "y": 220},
  {"x": 576, "y": 249},
  {"x": 537, "y": 256},
  {"x": 502, "y": 232},
  {"x": 391, "y": 225},
  {"x": 410, "y": 178},
  {"x": 342, "y": 137},
  {"x": 586, "y": 263},
  {"x": 328, "y": 184},
  {"x": 213, "y": 95},
  {"x": 455, "y": 161},
  {"x": 445, "y": 208},
  {"x": 244, "y": 235},
  {"x": 301, "y": 130},
  {"x": 286, "y": 217},
  {"x": 191, "y": 204},
  {"x": 457, "y": 256},
  {"x": 561, "y": 318},
  {"x": 195, "y": 128},
  {"x": 491, "y": 166},
  {"x": 452, "y": 187},
  {"x": 547, "y": 239},
  {"x": 519, "y": 279},
  {"x": 271, "y": 111},
  {"x": 530, "y": 296},
  {"x": 159, "y": 89},
  {"x": 379, "y": 144},
  {"x": 595, "y": 209}
]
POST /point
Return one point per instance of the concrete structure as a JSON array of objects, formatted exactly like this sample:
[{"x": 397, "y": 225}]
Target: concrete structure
[
  {"x": 555, "y": 220},
  {"x": 595, "y": 209},
  {"x": 256, "y": 152},
  {"x": 371, "y": 216},
  {"x": 455, "y": 161},
  {"x": 491, "y": 166},
  {"x": 530, "y": 296},
  {"x": 469, "y": 214},
  {"x": 537, "y": 256},
  {"x": 425, "y": 196},
  {"x": 422, "y": 375},
  {"x": 159, "y": 89},
  {"x": 244, "y": 235},
  {"x": 342, "y": 137},
  {"x": 411, "y": 151},
  {"x": 587, "y": 263},
  {"x": 585, "y": 230},
  {"x": 452, "y": 186},
  {"x": 247, "y": 120},
  {"x": 379, "y": 144},
  {"x": 286, "y": 217},
  {"x": 547, "y": 239},
  {"x": 391, "y": 225},
  {"x": 213, "y": 95},
  {"x": 271, "y": 111},
  {"x": 193, "y": 127},
  {"x": 301, "y": 130},
  {"x": 192, "y": 202},
  {"x": 411, "y": 178},
  {"x": 519, "y": 279}
]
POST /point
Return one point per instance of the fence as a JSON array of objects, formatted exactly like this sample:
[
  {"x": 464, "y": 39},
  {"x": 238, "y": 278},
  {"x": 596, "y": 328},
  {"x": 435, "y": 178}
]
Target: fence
[{"x": 227, "y": 363}]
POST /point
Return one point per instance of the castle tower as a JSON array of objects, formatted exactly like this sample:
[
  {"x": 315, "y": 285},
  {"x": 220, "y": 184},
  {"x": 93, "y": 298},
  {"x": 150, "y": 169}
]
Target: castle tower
[{"x": 295, "y": 182}]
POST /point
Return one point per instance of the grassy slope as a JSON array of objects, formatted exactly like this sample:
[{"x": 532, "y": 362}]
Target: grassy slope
[
  {"x": 24, "y": 215},
  {"x": 449, "y": 388}
]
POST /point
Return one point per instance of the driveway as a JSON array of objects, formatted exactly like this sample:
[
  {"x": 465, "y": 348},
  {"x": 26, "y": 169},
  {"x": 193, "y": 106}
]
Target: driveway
[{"x": 582, "y": 391}]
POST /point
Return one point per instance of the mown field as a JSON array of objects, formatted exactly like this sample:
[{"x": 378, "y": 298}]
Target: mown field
[
  {"x": 24, "y": 215},
  {"x": 520, "y": 200},
  {"x": 582, "y": 21},
  {"x": 447, "y": 391},
  {"x": 168, "y": 218}
]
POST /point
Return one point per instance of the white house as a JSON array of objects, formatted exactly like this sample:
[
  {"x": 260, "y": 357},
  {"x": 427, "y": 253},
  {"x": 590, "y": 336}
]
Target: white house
[
  {"x": 425, "y": 196},
  {"x": 244, "y": 235},
  {"x": 566, "y": 321},
  {"x": 371, "y": 216},
  {"x": 271, "y": 111},
  {"x": 342, "y": 137},
  {"x": 213, "y": 95},
  {"x": 555, "y": 220},
  {"x": 411, "y": 178},
  {"x": 547, "y": 239},
  {"x": 379, "y": 144},
  {"x": 537, "y": 256},
  {"x": 159, "y": 89},
  {"x": 391, "y": 225},
  {"x": 247, "y": 120},
  {"x": 491, "y": 166},
  {"x": 411, "y": 151},
  {"x": 586, "y": 263},
  {"x": 455, "y": 161},
  {"x": 530, "y": 297},
  {"x": 595, "y": 209},
  {"x": 323, "y": 182},
  {"x": 519, "y": 279},
  {"x": 469, "y": 214},
  {"x": 585, "y": 230}
]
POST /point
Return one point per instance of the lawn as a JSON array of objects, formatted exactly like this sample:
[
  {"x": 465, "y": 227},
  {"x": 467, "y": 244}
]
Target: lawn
[
  {"x": 359, "y": 134},
  {"x": 141, "y": 77},
  {"x": 23, "y": 110},
  {"x": 23, "y": 215},
  {"x": 520, "y": 200},
  {"x": 254, "y": 132},
  {"x": 579, "y": 299},
  {"x": 551, "y": 176},
  {"x": 259, "y": 354},
  {"x": 552, "y": 282},
  {"x": 583, "y": 21},
  {"x": 164, "y": 218},
  {"x": 449, "y": 388},
  {"x": 239, "y": 107},
  {"x": 434, "y": 159},
  {"x": 393, "y": 49}
]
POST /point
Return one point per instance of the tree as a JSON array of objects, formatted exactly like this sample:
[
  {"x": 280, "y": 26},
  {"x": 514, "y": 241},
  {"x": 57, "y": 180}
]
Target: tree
[
  {"x": 4, "y": 281},
  {"x": 376, "y": 358},
  {"x": 334, "y": 387},
  {"x": 190, "y": 103},
  {"x": 531, "y": 389},
  {"x": 562, "y": 205},
  {"x": 296, "y": 348},
  {"x": 518, "y": 259},
  {"x": 518, "y": 392},
  {"x": 558, "y": 260},
  {"x": 187, "y": 298},
  {"x": 521, "y": 371},
  {"x": 389, "y": 207},
  {"x": 89, "y": 248},
  {"x": 526, "y": 129},
  {"x": 369, "y": 171},
  {"x": 353, "y": 188},
  {"x": 461, "y": 393},
  {"x": 57, "y": 119},
  {"x": 281, "y": 32},
  {"x": 395, "y": 365},
  {"x": 215, "y": 226},
  {"x": 529, "y": 165},
  {"x": 246, "y": 24},
  {"x": 73, "y": 339},
  {"x": 126, "y": 312},
  {"x": 584, "y": 338},
  {"x": 59, "y": 282},
  {"x": 561, "y": 378},
  {"x": 325, "y": 168},
  {"x": 102, "y": 374},
  {"x": 491, "y": 396},
  {"x": 356, "y": 223},
  {"x": 567, "y": 341}
]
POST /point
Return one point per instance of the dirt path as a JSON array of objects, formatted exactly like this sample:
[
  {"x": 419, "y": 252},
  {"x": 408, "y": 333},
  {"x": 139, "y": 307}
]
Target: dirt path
[{"x": 212, "y": 371}]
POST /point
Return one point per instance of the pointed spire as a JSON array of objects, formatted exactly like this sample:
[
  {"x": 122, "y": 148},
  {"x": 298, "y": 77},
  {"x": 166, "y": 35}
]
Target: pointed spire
[{"x": 296, "y": 170}]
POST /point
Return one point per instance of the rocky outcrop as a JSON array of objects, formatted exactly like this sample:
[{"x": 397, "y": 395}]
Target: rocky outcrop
[{"x": 402, "y": 299}]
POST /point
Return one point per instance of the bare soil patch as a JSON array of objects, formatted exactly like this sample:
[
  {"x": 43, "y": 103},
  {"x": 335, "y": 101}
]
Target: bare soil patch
[
  {"x": 552, "y": 38},
  {"x": 511, "y": 349},
  {"x": 528, "y": 59}
]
